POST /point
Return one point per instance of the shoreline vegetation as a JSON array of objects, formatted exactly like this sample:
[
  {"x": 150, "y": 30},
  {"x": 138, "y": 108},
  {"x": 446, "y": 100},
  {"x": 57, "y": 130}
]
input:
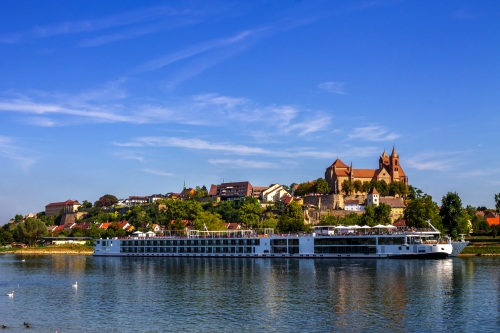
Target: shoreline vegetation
[
  {"x": 469, "y": 251},
  {"x": 64, "y": 249}
]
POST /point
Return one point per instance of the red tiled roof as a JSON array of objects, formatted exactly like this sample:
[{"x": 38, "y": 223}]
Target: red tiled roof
[
  {"x": 364, "y": 173},
  {"x": 213, "y": 190},
  {"x": 339, "y": 164},
  {"x": 393, "y": 202},
  {"x": 351, "y": 202},
  {"x": 493, "y": 220},
  {"x": 104, "y": 225},
  {"x": 400, "y": 223},
  {"x": 82, "y": 226},
  {"x": 342, "y": 173},
  {"x": 491, "y": 214},
  {"x": 123, "y": 224},
  {"x": 260, "y": 188},
  {"x": 374, "y": 191},
  {"x": 65, "y": 203}
]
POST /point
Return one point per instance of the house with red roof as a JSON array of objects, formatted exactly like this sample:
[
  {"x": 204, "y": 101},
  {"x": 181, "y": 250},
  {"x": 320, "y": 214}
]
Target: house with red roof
[
  {"x": 493, "y": 221},
  {"x": 104, "y": 225}
]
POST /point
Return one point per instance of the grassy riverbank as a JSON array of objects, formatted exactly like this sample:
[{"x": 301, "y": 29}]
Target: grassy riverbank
[
  {"x": 483, "y": 250},
  {"x": 54, "y": 249}
]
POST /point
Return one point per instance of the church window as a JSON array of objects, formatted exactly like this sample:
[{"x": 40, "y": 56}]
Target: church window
[{"x": 396, "y": 162}]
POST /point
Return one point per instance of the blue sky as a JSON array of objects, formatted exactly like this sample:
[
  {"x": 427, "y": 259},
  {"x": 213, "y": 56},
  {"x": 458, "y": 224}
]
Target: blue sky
[{"x": 131, "y": 98}]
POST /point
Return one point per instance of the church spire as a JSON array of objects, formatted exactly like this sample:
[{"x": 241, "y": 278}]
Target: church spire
[
  {"x": 184, "y": 183},
  {"x": 394, "y": 153}
]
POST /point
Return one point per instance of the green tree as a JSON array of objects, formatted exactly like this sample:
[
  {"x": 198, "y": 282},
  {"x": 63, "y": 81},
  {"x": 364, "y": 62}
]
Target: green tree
[
  {"x": 329, "y": 220},
  {"x": 31, "y": 230},
  {"x": 382, "y": 187},
  {"x": 18, "y": 218},
  {"x": 398, "y": 188},
  {"x": 200, "y": 192},
  {"x": 178, "y": 225},
  {"x": 419, "y": 209},
  {"x": 497, "y": 202},
  {"x": 212, "y": 221},
  {"x": 369, "y": 217},
  {"x": 366, "y": 187},
  {"x": 106, "y": 200},
  {"x": 292, "y": 219},
  {"x": 357, "y": 186},
  {"x": 269, "y": 221},
  {"x": 304, "y": 189},
  {"x": 347, "y": 187},
  {"x": 352, "y": 219},
  {"x": 227, "y": 210},
  {"x": 93, "y": 231},
  {"x": 451, "y": 213},
  {"x": 321, "y": 186},
  {"x": 250, "y": 213},
  {"x": 86, "y": 204},
  {"x": 6, "y": 237}
]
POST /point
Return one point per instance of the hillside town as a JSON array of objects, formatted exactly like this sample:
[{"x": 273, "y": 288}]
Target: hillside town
[{"x": 345, "y": 196}]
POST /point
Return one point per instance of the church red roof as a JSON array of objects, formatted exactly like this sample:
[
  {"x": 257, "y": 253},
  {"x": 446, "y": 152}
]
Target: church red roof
[
  {"x": 364, "y": 173},
  {"x": 339, "y": 164}
]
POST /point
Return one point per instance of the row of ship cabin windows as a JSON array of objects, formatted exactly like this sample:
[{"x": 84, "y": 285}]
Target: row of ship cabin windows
[
  {"x": 229, "y": 249},
  {"x": 360, "y": 241},
  {"x": 191, "y": 242}
]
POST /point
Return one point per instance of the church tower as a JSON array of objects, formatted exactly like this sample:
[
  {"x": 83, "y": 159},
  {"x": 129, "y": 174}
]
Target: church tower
[
  {"x": 394, "y": 165},
  {"x": 383, "y": 160},
  {"x": 373, "y": 198}
]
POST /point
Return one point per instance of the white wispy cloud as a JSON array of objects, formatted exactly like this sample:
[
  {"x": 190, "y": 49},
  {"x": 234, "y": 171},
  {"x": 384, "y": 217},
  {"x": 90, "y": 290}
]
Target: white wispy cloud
[
  {"x": 192, "y": 144},
  {"x": 159, "y": 173},
  {"x": 135, "y": 32},
  {"x": 128, "y": 155},
  {"x": 239, "y": 163},
  {"x": 333, "y": 87},
  {"x": 91, "y": 25},
  {"x": 194, "y": 50},
  {"x": 15, "y": 153},
  {"x": 436, "y": 161},
  {"x": 231, "y": 149},
  {"x": 372, "y": 133},
  {"x": 107, "y": 105},
  {"x": 483, "y": 172}
]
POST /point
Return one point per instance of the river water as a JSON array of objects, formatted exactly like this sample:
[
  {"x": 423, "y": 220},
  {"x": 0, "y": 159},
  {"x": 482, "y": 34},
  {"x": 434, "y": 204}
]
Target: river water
[{"x": 248, "y": 295}]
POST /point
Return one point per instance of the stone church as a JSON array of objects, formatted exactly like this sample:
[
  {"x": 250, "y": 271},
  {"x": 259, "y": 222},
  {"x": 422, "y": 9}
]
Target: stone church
[{"x": 389, "y": 169}]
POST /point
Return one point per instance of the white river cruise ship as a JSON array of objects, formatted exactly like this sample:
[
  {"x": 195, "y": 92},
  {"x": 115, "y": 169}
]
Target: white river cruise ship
[{"x": 324, "y": 242}]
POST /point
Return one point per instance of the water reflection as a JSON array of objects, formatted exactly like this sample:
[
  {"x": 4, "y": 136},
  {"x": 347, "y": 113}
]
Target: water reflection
[{"x": 188, "y": 294}]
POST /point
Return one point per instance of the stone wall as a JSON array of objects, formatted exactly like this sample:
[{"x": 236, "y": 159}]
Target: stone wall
[{"x": 68, "y": 219}]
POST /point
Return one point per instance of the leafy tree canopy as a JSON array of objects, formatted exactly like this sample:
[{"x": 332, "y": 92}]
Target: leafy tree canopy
[
  {"x": 452, "y": 214},
  {"x": 212, "y": 221},
  {"x": 420, "y": 208},
  {"x": 106, "y": 200}
]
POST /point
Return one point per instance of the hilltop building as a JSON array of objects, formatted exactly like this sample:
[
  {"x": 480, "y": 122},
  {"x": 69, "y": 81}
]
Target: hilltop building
[
  {"x": 389, "y": 169},
  {"x": 235, "y": 190},
  {"x": 68, "y": 206}
]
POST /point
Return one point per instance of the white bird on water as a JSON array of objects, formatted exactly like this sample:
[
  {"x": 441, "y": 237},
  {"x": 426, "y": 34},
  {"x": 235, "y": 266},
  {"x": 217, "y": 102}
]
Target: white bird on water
[
  {"x": 75, "y": 285},
  {"x": 11, "y": 295}
]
